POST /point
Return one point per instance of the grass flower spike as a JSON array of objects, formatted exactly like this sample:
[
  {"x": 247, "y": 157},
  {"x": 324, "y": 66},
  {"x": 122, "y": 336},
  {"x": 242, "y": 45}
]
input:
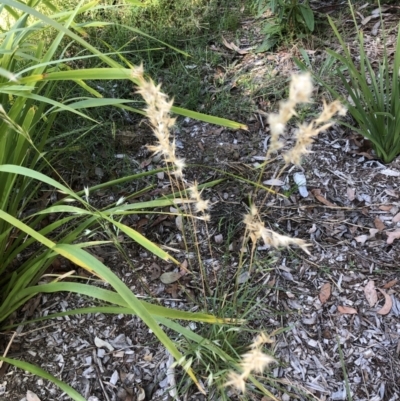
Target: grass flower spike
[
  {"x": 306, "y": 133},
  {"x": 253, "y": 361},
  {"x": 157, "y": 110},
  {"x": 257, "y": 230},
  {"x": 201, "y": 205},
  {"x": 301, "y": 88},
  {"x": 300, "y": 91}
]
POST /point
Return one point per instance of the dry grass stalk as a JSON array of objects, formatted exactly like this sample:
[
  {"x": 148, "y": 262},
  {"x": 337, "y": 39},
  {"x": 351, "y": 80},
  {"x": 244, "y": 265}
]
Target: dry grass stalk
[{"x": 300, "y": 92}]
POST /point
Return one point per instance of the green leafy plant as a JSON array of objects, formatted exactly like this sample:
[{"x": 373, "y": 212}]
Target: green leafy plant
[
  {"x": 31, "y": 67},
  {"x": 372, "y": 93},
  {"x": 288, "y": 17}
]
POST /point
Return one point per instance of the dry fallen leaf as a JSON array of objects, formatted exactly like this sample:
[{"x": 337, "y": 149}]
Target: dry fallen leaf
[
  {"x": 396, "y": 218},
  {"x": 184, "y": 267},
  {"x": 170, "y": 277},
  {"x": 312, "y": 229},
  {"x": 232, "y": 46},
  {"x": 362, "y": 238},
  {"x": 317, "y": 194},
  {"x": 392, "y": 235},
  {"x": 99, "y": 343},
  {"x": 388, "y": 304},
  {"x": 373, "y": 232},
  {"x": 385, "y": 208},
  {"x": 219, "y": 239},
  {"x": 366, "y": 20},
  {"x": 31, "y": 396},
  {"x": 365, "y": 154},
  {"x": 301, "y": 182},
  {"x": 390, "y": 284},
  {"x": 374, "y": 30},
  {"x": 274, "y": 182},
  {"x": 325, "y": 293},
  {"x": 347, "y": 310},
  {"x": 390, "y": 192},
  {"x": 142, "y": 222},
  {"x": 365, "y": 211},
  {"x": 179, "y": 223},
  {"x": 370, "y": 293},
  {"x": 155, "y": 271},
  {"x": 390, "y": 173},
  {"x": 173, "y": 289},
  {"x": 141, "y": 394},
  {"x": 379, "y": 224},
  {"x": 351, "y": 193}
]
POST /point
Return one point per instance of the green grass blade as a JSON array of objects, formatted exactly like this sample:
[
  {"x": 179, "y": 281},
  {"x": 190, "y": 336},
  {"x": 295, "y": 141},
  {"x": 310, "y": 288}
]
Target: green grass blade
[
  {"x": 223, "y": 122},
  {"x": 155, "y": 310},
  {"x": 42, "y": 373},
  {"x": 90, "y": 263},
  {"x": 90, "y": 103},
  {"x": 142, "y": 240},
  {"x": 82, "y": 74},
  {"x": 9, "y": 168}
]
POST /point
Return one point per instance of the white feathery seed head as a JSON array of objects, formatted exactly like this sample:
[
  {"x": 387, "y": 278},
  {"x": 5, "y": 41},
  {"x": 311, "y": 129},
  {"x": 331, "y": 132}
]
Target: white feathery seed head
[
  {"x": 157, "y": 111},
  {"x": 253, "y": 361}
]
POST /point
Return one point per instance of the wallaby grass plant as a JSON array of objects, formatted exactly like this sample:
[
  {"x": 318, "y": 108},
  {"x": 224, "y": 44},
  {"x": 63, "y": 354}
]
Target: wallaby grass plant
[
  {"x": 255, "y": 360},
  {"x": 300, "y": 92},
  {"x": 28, "y": 114},
  {"x": 157, "y": 110}
]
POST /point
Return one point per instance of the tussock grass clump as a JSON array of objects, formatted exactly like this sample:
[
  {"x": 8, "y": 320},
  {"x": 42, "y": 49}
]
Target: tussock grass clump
[
  {"x": 300, "y": 91},
  {"x": 157, "y": 110}
]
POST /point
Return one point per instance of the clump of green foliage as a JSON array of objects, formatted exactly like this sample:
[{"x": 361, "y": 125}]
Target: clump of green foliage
[
  {"x": 31, "y": 68},
  {"x": 286, "y": 17},
  {"x": 374, "y": 96},
  {"x": 372, "y": 90}
]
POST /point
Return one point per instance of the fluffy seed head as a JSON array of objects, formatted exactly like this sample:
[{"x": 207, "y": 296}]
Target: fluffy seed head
[
  {"x": 300, "y": 91},
  {"x": 256, "y": 361},
  {"x": 236, "y": 380},
  {"x": 301, "y": 88},
  {"x": 257, "y": 230},
  {"x": 157, "y": 111},
  {"x": 201, "y": 205},
  {"x": 253, "y": 361}
]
